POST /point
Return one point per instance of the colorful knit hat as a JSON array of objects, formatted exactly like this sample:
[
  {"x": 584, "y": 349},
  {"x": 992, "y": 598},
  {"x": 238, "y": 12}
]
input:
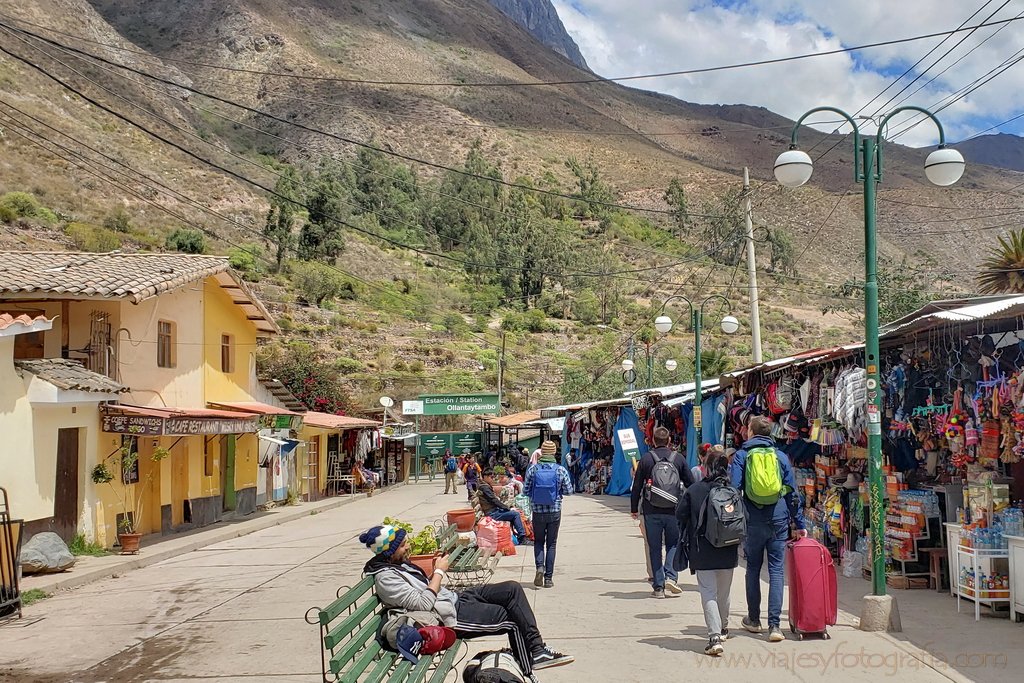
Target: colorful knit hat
[
  {"x": 383, "y": 540},
  {"x": 547, "y": 451}
]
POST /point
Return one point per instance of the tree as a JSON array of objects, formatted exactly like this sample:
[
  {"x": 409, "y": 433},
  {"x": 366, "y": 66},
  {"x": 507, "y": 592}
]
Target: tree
[
  {"x": 386, "y": 189},
  {"x": 723, "y": 228},
  {"x": 318, "y": 282},
  {"x": 590, "y": 188},
  {"x": 322, "y": 237},
  {"x": 675, "y": 197},
  {"x": 783, "y": 258},
  {"x": 279, "y": 227},
  {"x": 901, "y": 290},
  {"x": 307, "y": 374},
  {"x": 1003, "y": 269},
  {"x": 187, "y": 241}
]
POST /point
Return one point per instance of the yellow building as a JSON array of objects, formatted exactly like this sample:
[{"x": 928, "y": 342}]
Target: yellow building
[
  {"x": 179, "y": 332},
  {"x": 330, "y": 450}
]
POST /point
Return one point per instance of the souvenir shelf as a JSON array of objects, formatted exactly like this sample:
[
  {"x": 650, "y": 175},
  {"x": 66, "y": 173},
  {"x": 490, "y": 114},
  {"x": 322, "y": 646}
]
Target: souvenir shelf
[
  {"x": 909, "y": 520},
  {"x": 968, "y": 559}
]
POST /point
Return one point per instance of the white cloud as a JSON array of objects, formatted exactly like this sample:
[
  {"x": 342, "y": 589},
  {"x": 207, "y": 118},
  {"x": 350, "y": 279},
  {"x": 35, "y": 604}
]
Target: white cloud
[{"x": 621, "y": 38}]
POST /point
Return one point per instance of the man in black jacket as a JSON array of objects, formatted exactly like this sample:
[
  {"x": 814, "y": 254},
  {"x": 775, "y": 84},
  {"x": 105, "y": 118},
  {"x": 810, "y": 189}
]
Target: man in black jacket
[
  {"x": 492, "y": 507},
  {"x": 660, "y": 527}
]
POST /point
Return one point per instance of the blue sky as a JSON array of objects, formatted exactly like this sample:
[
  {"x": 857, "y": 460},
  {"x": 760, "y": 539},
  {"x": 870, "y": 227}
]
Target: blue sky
[{"x": 619, "y": 37}]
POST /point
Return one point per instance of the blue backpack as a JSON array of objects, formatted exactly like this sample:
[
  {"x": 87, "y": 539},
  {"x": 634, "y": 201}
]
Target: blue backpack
[
  {"x": 450, "y": 465},
  {"x": 545, "y": 485}
]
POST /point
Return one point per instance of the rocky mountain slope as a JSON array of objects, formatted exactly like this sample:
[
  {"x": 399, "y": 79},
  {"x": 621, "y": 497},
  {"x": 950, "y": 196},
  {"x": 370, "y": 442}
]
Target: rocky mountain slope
[
  {"x": 540, "y": 18},
  {"x": 1001, "y": 150}
]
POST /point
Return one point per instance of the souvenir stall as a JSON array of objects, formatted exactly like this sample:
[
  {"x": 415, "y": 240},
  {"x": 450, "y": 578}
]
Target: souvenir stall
[
  {"x": 672, "y": 407},
  {"x": 597, "y": 463}
]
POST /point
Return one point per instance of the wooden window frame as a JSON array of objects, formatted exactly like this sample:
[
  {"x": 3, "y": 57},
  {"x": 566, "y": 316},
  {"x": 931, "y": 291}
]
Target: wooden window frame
[
  {"x": 166, "y": 344},
  {"x": 227, "y": 353}
]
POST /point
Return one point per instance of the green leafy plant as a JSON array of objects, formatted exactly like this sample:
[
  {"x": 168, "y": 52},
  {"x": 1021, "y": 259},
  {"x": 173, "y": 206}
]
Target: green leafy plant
[
  {"x": 80, "y": 546},
  {"x": 187, "y": 241},
  {"x": 1001, "y": 271},
  {"x": 422, "y": 543},
  {"x": 130, "y": 501},
  {"x": 33, "y": 595}
]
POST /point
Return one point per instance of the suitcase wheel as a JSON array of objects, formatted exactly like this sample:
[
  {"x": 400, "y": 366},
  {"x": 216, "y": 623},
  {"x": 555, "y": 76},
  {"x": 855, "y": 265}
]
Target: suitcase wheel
[
  {"x": 792, "y": 628},
  {"x": 826, "y": 636},
  {"x": 800, "y": 636}
]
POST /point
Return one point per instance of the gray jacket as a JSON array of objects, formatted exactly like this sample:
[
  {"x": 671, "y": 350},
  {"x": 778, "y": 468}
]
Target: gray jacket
[{"x": 406, "y": 587}]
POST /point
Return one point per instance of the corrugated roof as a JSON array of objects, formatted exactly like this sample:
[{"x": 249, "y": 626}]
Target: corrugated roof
[
  {"x": 252, "y": 407},
  {"x": 328, "y": 421},
  {"x": 955, "y": 311},
  {"x": 708, "y": 384},
  {"x": 515, "y": 419},
  {"x": 70, "y": 375},
  {"x": 134, "y": 277}
]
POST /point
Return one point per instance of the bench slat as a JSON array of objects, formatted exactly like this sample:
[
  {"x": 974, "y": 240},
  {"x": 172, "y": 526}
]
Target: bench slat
[
  {"x": 454, "y": 556},
  {"x": 402, "y": 670},
  {"x": 345, "y": 601},
  {"x": 446, "y": 664},
  {"x": 365, "y": 659},
  {"x": 382, "y": 668},
  {"x": 351, "y": 622},
  {"x": 419, "y": 672},
  {"x": 352, "y": 647}
]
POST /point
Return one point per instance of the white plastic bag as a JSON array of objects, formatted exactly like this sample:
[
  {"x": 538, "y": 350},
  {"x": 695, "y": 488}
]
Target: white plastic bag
[{"x": 853, "y": 562}]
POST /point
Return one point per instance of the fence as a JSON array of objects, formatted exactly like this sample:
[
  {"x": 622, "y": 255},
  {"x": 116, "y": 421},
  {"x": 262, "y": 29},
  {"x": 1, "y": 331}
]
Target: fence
[{"x": 10, "y": 553}]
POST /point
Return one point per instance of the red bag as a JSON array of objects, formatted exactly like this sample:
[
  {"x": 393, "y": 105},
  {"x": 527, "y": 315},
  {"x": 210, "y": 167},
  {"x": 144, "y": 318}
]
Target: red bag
[{"x": 811, "y": 574}]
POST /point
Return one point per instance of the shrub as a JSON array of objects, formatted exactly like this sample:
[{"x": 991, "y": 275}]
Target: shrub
[
  {"x": 92, "y": 238},
  {"x": 318, "y": 282},
  {"x": 187, "y": 241},
  {"x": 347, "y": 366},
  {"x": 586, "y": 307},
  {"x": 533, "y": 320},
  {"x": 118, "y": 221},
  {"x": 246, "y": 261},
  {"x": 21, "y": 204}
]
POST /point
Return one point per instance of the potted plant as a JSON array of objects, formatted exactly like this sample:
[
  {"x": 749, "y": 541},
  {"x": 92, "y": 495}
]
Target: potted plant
[
  {"x": 422, "y": 546},
  {"x": 129, "y": 500}
]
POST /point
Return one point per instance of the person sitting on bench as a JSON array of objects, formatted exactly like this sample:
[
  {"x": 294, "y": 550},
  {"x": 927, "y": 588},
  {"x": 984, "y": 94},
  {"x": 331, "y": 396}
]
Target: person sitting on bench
[{"x": 493, "y": 609}]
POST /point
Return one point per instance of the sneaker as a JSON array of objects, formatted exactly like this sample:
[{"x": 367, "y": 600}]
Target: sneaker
[
  {"x": 672, "y": 587},
  {"x": 547, "y": 658},
  {"x": 775, "y": 635},
  {"x": 714, "y": 646},
  {"x": 752, "y": 626},
  {"x": 525, "y": 542},
  {"x": 658, "y": 593},
  {"x": 538, "y": 578},
  {"x": 725, "y": 634},
  {"x": 548, "y": 583}
]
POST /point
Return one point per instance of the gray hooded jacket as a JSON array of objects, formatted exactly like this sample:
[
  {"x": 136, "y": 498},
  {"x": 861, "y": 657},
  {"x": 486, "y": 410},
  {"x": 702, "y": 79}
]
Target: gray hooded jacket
[{"x": 405, "y": 586}]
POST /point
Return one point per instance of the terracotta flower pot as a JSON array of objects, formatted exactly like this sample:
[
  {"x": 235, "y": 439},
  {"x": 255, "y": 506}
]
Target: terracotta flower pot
[
  {"x": 425, "y": 562},
  {"x": 129, "y": 543},
  {"x": 464, "y": 519}
]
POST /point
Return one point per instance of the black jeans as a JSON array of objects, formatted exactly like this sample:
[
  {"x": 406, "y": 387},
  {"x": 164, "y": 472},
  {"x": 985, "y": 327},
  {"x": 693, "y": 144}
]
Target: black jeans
[
  {"x": 500, "y": 608},
  {"x": 545, "y": 537}
]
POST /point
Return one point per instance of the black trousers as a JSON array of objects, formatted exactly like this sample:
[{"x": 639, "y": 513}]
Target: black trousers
[{"x": 500, "y": 608}]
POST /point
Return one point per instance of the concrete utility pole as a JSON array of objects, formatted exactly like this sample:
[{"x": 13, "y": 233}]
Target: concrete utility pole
[
  {"x": 501, "y": 371},
  {"x": 755, "y": 306}
]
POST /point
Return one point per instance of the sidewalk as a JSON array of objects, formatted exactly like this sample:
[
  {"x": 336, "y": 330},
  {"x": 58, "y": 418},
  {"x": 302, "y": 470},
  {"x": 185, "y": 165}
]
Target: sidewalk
[{"x": 157, "y": 548}]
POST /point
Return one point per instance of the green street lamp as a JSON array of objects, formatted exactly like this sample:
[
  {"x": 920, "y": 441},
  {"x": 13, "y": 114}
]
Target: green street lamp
[
  {"x": 943, "y": 167},
  {"x": 663, "y": 324}
]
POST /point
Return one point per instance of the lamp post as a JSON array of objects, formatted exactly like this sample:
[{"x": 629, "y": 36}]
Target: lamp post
[
  {"x": 943, "y": 167},
  {"x": 663, "y": 324}
]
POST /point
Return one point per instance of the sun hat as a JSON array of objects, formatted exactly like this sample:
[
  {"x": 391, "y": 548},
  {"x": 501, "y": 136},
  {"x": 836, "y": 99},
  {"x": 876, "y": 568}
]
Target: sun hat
[{"x": 383, "y": 540}]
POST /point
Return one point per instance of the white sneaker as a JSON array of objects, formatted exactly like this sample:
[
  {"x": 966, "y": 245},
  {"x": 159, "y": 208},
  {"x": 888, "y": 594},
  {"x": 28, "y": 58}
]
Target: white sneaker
[{"x": 672, "y": 587}]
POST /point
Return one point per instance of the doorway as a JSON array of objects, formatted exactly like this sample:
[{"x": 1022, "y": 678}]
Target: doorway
[
  {"x": 65, "y": 491},
  {"x": 179, "y": 485},
  {"x": 227, "y": 472}
]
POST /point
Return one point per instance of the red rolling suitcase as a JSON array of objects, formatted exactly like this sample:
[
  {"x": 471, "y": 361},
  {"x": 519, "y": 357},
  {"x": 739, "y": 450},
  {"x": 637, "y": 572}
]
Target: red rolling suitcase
[{"x": 812, "y": 588}]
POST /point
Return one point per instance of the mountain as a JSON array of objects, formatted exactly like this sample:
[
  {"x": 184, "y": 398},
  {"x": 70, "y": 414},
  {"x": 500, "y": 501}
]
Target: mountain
[
  {"x": 1001, "y": 150},
  {"x": 540, "y": 18}
]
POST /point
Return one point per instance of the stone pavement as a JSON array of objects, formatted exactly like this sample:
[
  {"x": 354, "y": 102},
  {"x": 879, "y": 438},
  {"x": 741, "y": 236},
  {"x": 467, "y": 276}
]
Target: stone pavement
[{"x": 233, "y": 611}]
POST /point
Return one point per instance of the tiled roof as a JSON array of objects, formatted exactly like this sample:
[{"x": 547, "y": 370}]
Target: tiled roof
[
  {"x": 22, "y": 322},
  {"x": 135, "y": 277},
  {"x": 70, "y": 375},
  {"x": 341, "y": 422}
]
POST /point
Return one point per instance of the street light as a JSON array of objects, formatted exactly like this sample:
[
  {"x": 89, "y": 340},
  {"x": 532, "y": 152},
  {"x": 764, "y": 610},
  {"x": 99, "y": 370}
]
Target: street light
[
  {"x": 386, "y": 402},
  {"x": 663, "y": 324},
  {"x": 671, "y": 365},
  {"x": 943, "y": 167}
]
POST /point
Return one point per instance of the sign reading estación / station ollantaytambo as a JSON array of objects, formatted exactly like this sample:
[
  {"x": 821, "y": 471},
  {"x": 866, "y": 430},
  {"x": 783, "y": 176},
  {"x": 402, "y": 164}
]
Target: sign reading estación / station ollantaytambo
[{"x": 460, "y": 404}]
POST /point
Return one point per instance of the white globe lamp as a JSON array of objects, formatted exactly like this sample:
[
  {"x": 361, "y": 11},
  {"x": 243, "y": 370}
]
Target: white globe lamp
[
  {"x": 793, "y": 168},
  {"x": 663, "y": 324},
  {"x": 730, "y": 324},
  {"x": 944, "y": 166},
  {"x": 627, "y": 365},
  {"x": 671, "y": 365}
]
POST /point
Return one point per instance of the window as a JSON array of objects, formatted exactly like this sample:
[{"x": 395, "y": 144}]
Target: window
[
  {"x": 227, "y": 353},
  {"x": 129, "y": 460},
  {"x": 165, "y": 342}
]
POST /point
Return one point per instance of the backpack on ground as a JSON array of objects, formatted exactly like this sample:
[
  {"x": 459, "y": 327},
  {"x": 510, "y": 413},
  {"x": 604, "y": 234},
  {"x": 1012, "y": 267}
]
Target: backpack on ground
[
  {"x": 762, "y": 476},
  {"x": 722, "y": 517},
  {"x": 544, "y": 487},
  {"x": 664, "y": 486},
  {"x": 450, "y": 465},
  {"x": 493, "y": 667}
]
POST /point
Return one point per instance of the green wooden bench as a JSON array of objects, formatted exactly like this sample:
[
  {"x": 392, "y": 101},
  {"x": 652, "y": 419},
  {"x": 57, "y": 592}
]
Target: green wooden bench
[
  {"x": 467, "y": 565},
  {"x": 349, "y": 649}
]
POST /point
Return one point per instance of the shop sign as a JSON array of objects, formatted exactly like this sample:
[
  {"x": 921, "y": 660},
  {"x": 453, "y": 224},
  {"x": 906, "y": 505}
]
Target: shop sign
[
  {"x": 412, "y": 407},
  {"x": 140, "y": 425},
  {"x": 460, "y": 404},
  {"x": 280, "y": 422},
  {"x": 630, "y": 447},
  {"x": 696, "y": 417},
  {"x": 459, "y": 443}
]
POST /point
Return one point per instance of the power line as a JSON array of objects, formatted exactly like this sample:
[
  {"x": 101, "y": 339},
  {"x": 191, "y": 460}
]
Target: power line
[{"x": 504, "y": 84}]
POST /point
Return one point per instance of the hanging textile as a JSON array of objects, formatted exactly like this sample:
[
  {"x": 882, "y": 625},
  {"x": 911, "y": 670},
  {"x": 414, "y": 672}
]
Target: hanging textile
[
  {"x": 622, "y": 467},
  {"x": 712, "y": 427}
]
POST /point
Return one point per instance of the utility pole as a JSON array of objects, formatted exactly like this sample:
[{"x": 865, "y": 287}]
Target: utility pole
[
  {"x": 501, "y": 371},
  {"x": 755, "y": 307},
  {"x": 632, "y": 382}
]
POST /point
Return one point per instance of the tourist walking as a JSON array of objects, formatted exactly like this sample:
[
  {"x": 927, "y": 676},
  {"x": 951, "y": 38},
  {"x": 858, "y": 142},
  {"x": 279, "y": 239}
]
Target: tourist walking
[
  {"x": 765, "y": 477},
  {"x": 471, "y": 473},
  {"x": 546, "y": 484},
  {"x": 659, "y": 480},
  {"x": 710, "y": 513},
  {"x": 451, "y": 468}
]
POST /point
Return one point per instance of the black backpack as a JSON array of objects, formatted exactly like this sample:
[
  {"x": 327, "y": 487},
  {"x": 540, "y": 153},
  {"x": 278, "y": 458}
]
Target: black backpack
[
  {"x": 664, "y": 486},
  {"x": 722, "y": 517},
  {"x": 493, "y": 667}
]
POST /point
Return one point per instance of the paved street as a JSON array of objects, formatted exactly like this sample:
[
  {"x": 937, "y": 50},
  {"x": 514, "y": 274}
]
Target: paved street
[{"x": 234, "y": 611}]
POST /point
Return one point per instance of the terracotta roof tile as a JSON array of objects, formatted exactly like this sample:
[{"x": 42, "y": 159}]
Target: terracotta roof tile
[
  {"x": 118, "y": 276},
  {"x": 70, "y": 375},
  {"x": 8, "y": 320}
]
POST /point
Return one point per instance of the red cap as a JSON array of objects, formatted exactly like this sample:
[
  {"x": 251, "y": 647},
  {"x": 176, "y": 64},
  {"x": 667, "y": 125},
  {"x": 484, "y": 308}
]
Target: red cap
[{"x": 436, "y": 638}]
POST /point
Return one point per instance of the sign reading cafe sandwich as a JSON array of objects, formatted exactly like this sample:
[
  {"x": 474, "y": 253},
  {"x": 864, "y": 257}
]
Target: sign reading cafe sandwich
[
  {"x": 461, "y": 404},
  {"x": 142, "y": 425}
]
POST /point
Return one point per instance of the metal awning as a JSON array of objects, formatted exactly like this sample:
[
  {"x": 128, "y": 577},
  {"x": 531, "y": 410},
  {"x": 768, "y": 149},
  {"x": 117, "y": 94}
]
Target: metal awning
[
  {"x": 272, "y": 439},
  {"x": 514, "y": 420}
]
